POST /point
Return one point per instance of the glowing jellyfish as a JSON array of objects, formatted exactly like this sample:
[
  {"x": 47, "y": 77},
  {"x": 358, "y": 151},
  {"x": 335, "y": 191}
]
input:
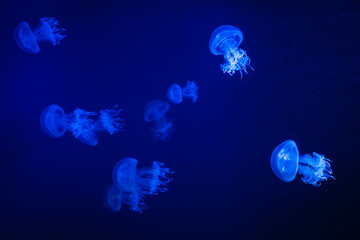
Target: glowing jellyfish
[
  {"x": 136, "y": 184},
  {"x": 112, "y": 198},
  {"x": 286, "y": 163},
  {"x": 47, "y": 31},
  {"x": 110, "y": 121},
  {"x": 81, "y": 123},
  {"x": 175, "y": 93},
  {"x": 225, "y": 40},
  {"x": 155, "y": 111}
]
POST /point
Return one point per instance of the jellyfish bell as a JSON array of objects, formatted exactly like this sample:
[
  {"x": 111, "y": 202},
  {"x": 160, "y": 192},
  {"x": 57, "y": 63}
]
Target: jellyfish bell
[
  {"x": 53, "y": 121},
  {"x": 155, "y": 110},
  {"x": 223, "y": 37},
  {"x": 124, "y": 175},
  {"x": 174, "y": 93},
  {"x": 25, "y": 38},
  {"x": 89, "y": 139},
  {"x": 285, "y": 161},
  {"x": 112, "y": 198}
]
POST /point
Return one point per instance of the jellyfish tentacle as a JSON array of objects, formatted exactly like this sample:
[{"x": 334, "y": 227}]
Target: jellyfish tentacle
[
  {"x": 110, "y": 121},
  {"x": 190, "y": 90},
  {"x": 48, "y": 30},
  {"x": 314, "y": 169},
  {"x": 80, "y": 123}
]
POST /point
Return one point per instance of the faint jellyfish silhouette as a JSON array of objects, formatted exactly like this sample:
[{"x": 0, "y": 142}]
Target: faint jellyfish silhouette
[
  {"x": 81, "y": 123},
  {"x": 112, "y": 198},
  {"x": 155, "y": 111},
  {"x": 110, "y": 121},
  {"x": 225, "y": 41},
  {"x": 161, "y": 129},
  {"x": 286, "y": 163},
  {"x": 47, "y": 31},
  {"x": 175, "y": 93},
  {"x": 136, "y": 184}
]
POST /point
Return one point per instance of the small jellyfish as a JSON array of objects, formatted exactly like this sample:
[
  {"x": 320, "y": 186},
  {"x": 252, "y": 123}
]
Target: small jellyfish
[
  {"x": 112, "y": 198},
  {"x": 175, "y": 93},
  {"x": 81, "y": 123},
  {"x": 135, "y": 184},
  {"x": 162, "y": 128},
  {"x": 286, "y": 163},
  {"x": 155, "y": 111},
  {"x": 225, "y": 40},
  {"x": 47, "y": 31}
]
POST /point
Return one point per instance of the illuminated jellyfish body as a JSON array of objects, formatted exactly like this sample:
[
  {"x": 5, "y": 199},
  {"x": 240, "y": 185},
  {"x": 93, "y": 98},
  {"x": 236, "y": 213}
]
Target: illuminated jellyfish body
[
  {"x": 112, "y": 198},
  {"x": 175, "y": 93},
  {"x": 225, "y": 40},
  {"x": 136, "y": 184},
  {"x": 155, "y": 111},
  {"x": 80, "y": 123},
  {"x": 286, "y": 163},
  {"x": 47, "y": 31}
]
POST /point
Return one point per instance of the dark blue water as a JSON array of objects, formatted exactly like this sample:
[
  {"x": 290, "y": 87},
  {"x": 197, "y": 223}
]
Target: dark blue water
[{"x": 305, "y": 87}]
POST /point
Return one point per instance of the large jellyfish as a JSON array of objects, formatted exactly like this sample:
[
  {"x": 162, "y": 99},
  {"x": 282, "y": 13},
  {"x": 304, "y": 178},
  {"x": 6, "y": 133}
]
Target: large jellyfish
[
  {"x": 112, "y": 198},
  {"x": 81, "y": 123},
  {"x": 286, "y": 163},
  {"x": 155, "y": 111},
  {"x": 175, "y": 93},
  {"x": 136, "y": 184},
  {"x": 47, "y": 31},
  {"x": 225, "y": 40}
]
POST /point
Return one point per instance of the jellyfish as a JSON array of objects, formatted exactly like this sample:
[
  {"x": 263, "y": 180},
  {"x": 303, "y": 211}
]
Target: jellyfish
[
  {"x": 81, "y": 123},
  {"x": 112, "y": 198},
  {"x": 225, "y": 40},
  {"x": 47, "y": 31},
  {"x": 161, "y": 129},
  {"x": 175, "y": 93},
  {"x": 136, "y": 184},
  {"x": 286, "y": 163},
  {"x": 110, "y": 121},
  {"x": 155, "y": 111}
]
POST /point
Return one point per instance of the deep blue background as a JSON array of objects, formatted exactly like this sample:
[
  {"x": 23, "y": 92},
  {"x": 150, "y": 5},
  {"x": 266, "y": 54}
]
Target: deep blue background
[{"x": 305, "y": 87}]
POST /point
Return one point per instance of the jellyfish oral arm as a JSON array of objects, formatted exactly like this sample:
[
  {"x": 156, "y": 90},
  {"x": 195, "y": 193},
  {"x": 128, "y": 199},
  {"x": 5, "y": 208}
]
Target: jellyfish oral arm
[
  {"x": 49, "y": 31},
  {"x": 314, "y": 169},
  {"x": 80, "y": 123},
  {"x": 235, "y": 60}
]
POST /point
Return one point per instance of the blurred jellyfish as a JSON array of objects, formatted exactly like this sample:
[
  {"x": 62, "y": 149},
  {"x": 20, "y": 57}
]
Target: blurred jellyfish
[
  {"x": 175, "y": 93},
  {"x": 110, "y": 121},
  {"x": 135, "y": 184},
  {"x": 225, "y": 41},
  {"x": 155, "y": 111},
  {"x": 286, "y": 163},
  {"x": 47, "y": 31},
  {"x": 112, "y": 198},
  {"x": 80, "y": 123},
  {"x": 161, "y": 129}
]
